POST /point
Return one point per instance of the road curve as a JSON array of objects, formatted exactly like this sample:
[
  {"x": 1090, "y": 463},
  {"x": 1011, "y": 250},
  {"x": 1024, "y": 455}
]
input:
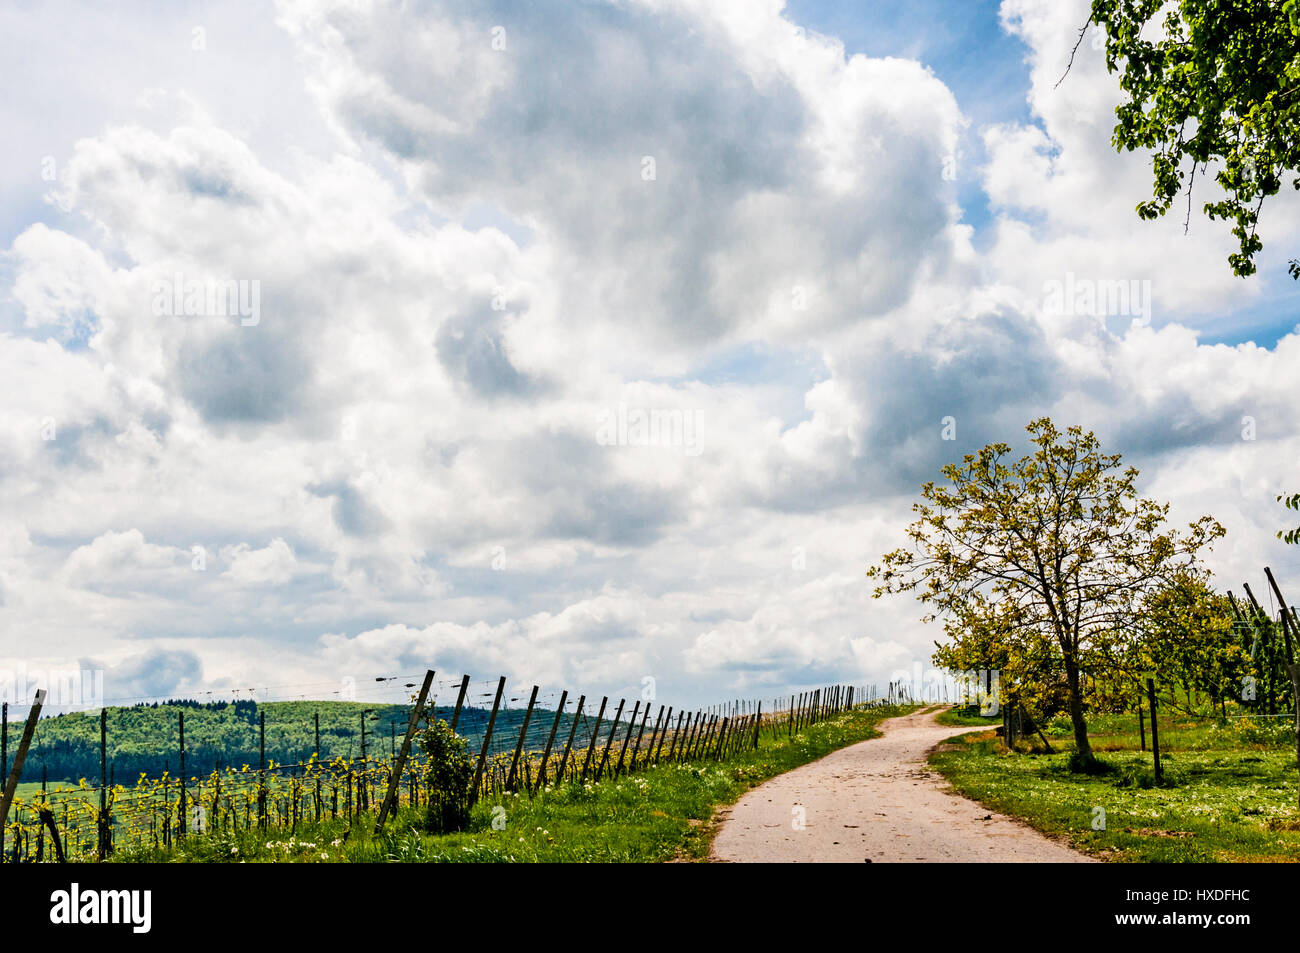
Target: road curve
[{"x": 876, "y": 801}]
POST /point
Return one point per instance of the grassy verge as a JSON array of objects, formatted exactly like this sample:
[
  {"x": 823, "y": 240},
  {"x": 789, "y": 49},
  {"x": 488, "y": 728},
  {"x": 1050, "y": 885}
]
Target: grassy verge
[
  {"x": 1229, "y": 792},
  {"x": 956, "y": 719},
  {"x": 655, "y": 815}
]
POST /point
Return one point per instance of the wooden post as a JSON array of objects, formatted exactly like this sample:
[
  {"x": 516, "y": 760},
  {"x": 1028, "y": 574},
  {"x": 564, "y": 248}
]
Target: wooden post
[
  {"x": 1155, "y": 731},
  {"x": 261, "y": 770},
  {"x": 677, "y": 733},
  {"x": 395, "y": 776},
  {"x": 692, "y": 730},
  {"x": 487, "y": 740},
  {"x": 29, "y": 729},
  {"x": 460, "y": 700},
  {"x": 1294, "y": 671},
  {"x": 573, "y": 730},
  {"x": 1286, "y": 619},
  {"x": 4, "y": 763},
  {"x": 631, "y": 723},
  {"x": 758, "y": 723},
  {"x": 519, "y": 746},
  {"x": 1265, "y": 631},
  {"x": 317, "y": 736},
  {"x": 184, "y": 791},
  {"x": 613, "y": 729},
  {"x": 101, "y": 825},
  {"x": 546, "y": 755},
  {"x": 692, "y": 726},
  {"x": 591, "y": 747},
  {"x": 636, "y": 750},
  {"x": 705, "y": 735},
  {"x": 650, "y": 753},
  {"x": 722, "y": 738}
]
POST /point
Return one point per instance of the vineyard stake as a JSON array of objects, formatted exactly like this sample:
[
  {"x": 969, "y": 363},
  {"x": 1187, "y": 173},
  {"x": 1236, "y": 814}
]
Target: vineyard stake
[
  {"x": 664, "y": 734},
  {"x": 550, "y": 740},
  {"x": 4, "y": 763},
  {"x": 460, "y": 700},
  {"x": 613, "y": 729},
  {"x": 29, "y": 729},
  {"x": 645, "y": 718},
  {"x": 184, "y": 799},
  {"x": 1155, "y": 736},
  {"x": 591, "y": 746},
  {"x": 487, "y": 740},
  {"x": 1294, "y": 672},
  {"x": 395, "y": 776},
  {"x": 631, "y": 723},
  {"x": 1286, "y": 620},
  {"x": 573, "y": 730},
  {"x": 511, "y": 781},
  {"x": 102, "y": 826}
]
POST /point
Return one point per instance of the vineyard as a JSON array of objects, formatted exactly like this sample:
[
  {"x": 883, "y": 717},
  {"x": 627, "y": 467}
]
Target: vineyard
[{"x": 549, "y": 741}]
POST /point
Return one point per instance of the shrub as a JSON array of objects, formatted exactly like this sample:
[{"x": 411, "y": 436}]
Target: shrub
[{"x": 447, "y": 777}]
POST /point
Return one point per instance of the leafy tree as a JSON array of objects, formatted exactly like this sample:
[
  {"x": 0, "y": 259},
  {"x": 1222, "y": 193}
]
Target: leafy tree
[
  {"x": 1187, "y": 636},
  {"x": 1213, "y": 86},
  {"x": 1052, "y": 552}
]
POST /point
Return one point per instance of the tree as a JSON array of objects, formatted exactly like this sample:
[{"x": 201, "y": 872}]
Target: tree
[
  {"x": 1057, "y": 547},
  {"x": 1212, "y": 86},
  {"x": 1187, "y": 635}
]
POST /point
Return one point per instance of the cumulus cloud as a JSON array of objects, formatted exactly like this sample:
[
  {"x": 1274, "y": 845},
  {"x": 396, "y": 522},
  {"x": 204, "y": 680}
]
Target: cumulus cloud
[{"x": 488, "y": 231}]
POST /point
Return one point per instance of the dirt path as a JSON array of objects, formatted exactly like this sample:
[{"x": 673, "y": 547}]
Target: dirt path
[{"x": 876, "y": 800}]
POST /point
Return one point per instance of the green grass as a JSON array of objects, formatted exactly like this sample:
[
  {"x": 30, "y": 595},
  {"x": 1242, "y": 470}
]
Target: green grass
[
  {"x": 955, "y": 718},
  {"x": 658, "y": 814},
  {"x": 1228, "y": 795}
]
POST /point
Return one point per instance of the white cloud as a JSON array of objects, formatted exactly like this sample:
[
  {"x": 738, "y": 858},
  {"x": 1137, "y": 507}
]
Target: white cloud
[
  {"x": 272, "y": 565},
  {"x": 461, "y": 268}
]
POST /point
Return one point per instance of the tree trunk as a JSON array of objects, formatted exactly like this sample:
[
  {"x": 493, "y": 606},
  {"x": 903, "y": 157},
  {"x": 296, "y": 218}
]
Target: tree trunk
[{"x": 1081, "y": 746}]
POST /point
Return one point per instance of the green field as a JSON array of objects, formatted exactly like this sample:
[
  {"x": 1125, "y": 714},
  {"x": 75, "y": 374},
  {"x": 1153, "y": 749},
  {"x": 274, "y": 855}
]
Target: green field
[
  {"x": 1229, "y": 793},
  {"x": 659, "y": 814}
]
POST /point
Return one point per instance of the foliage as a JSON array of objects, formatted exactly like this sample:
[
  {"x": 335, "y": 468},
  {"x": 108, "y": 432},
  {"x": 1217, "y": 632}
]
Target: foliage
[
  {"x": 1292, "y": 502},
  {"x": 1211, "y": 85},
  {"x": 1038, "y": 564},
  {"x": 143, "y": 739},
  {"x": 1187, "y": 636},
  {"x": 448, "y": 772}
]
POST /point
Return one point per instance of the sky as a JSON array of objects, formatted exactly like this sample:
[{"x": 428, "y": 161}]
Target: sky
[{"x": 581, "y": 343}]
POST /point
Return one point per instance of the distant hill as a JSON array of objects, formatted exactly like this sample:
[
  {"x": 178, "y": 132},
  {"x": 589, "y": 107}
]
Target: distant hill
[{"x": 144, "y": 739}]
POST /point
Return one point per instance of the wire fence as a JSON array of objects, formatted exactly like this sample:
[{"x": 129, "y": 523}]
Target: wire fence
[{"x": 521, "y": 741}]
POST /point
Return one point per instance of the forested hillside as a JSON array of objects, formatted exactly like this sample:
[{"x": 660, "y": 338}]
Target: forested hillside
[{"x": 145, "y": 738}]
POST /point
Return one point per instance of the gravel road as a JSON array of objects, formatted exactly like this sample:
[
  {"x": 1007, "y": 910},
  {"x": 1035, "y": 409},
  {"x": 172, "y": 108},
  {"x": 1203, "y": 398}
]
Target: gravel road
[{"x": 876, "y": 801}]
